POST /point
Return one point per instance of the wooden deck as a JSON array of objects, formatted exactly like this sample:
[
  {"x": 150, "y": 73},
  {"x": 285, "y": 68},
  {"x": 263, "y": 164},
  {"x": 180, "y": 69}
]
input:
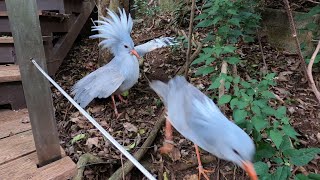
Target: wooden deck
[{"x": 18, "y": 158}]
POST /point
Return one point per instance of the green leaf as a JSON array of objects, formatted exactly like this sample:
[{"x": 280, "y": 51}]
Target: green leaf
[
  {"x": 233, "y": 60},
  {"x": 281, "y": 112},
  {"x": 125, "y": 93},
  {"x": 204, "y": 23},
  {"x": 289, "y": 130},
  {"x": 261, "y": 168},
  {"x": 201, "y": 16},
  {"x": 239, "y": 115},
  {"x": 301, "y": 177},
  {"x": 301, "y": 157},
  {"x": 285, "y": 120},
  {"x": 282, "y": 173},
  {"x": 245, "y": 84},
  {"x": 202, "y": 58},
  {"x": 204, "y": 70},
  {"x": 270, "y": 76},
  {"x": 224, "y": 99},
  {"x": 234, "y": 102},
  {"x": 259, "y": 123},
  {"x": 267, "y": 94},
  {"x": 236, "y": 80},
  {"x": 229, "y": 49},
  {"x": 227, "y": 85},
  {"x": 314, "y": 176},
  {"x": 215, "y": 84},
  {"x": 235, "y": 21},
  {"x": 286, "y": 143},
  {"x": 260, "y": 103},
  {"x": 264, "y": 150},
  {"x": 276, "y": 137},
  {"x": 131, "y": 146},
  {"x": 256, "y": 110},
  {"x": 78, "y": 138},
  {"x": 232, "y": 11}
]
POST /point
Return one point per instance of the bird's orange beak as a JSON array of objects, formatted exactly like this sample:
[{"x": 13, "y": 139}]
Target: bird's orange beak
[
  {"x": 134, "y": 52},
  {"x": 248, "y": 167}
]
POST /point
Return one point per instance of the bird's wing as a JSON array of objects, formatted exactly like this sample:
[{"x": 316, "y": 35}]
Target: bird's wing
[
  {"x": 162, "y": 89},
  {"x": 100, "y": 83},
  {"x": 155, "y": 44}
]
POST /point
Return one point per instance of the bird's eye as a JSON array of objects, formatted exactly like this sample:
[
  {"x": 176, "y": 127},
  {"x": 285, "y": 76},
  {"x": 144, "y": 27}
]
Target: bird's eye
[
  {"x": 126, "y": 46},
  {"x": 236, "y": 152}
]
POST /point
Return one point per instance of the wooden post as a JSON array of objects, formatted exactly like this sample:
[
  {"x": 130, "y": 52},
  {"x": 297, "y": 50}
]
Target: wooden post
[{"x": 25, "y": 27}]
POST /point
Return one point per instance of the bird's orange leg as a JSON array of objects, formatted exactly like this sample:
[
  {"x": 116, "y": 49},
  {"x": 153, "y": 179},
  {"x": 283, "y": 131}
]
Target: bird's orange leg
[
  {"x": 115, "y": 107},
  {"x": 122, "y": 100},
  {"x": 168, "y": 142},
  {"x": 201, "y": 170}
]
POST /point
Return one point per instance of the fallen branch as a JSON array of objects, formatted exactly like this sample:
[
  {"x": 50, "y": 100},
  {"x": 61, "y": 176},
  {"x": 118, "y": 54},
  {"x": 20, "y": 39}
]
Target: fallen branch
[
  {"x": 265, "y": 66},
  {"x": 224, "y": 67},
  {"x": 309, "y": 72},
  {"x": 295, "y": 36},
  {"x": 83, "y": 161},
  {"x": 127, "y": 167},
  {"x": 189, "y": 38}
]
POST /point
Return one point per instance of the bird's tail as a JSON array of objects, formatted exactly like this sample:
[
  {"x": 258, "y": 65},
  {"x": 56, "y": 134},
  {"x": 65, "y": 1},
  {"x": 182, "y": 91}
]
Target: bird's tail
[
  {"x": 81, "y": 91},
  {"x": 162, "y": 89}
]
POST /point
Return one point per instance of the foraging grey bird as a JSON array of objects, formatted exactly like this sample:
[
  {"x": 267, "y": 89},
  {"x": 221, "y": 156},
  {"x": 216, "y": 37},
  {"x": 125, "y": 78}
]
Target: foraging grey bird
[
  {"x": 122, "y": 72},
  {"x": 198, "y": 119}
]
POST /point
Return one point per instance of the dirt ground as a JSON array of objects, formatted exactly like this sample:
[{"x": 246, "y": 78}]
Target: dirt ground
[{"x": 144, "y": 108}]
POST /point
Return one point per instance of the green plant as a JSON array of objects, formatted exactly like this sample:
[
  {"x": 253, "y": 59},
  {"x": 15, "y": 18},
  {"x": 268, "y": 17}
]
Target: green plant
[{"x": 230, "y": 23}]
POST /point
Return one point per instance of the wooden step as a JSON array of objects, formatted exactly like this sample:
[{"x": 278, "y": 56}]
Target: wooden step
[
  {"x": 13, "y": 122},
  {"x": 9, "y": 73},
  {"x": 9, "y": 39},
  {"x": 25, "y": 168},
  {"x": 18, "y": 157}
]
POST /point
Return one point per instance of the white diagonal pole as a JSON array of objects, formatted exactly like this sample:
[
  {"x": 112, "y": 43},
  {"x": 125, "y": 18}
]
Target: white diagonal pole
[{"x": 97, "y": 125}]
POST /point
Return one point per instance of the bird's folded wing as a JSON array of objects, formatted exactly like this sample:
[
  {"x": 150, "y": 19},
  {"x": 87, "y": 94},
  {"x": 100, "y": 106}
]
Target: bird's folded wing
[
  {"x": 155, "y": 44},
  {"x": 100, "y": 83}
]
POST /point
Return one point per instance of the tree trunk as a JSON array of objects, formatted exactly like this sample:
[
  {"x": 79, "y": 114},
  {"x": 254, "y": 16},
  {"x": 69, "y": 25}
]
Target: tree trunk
[{"x": 104, "y": 55}]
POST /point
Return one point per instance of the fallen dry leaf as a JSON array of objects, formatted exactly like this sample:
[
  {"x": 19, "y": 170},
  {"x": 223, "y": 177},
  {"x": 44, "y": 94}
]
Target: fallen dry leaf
[
  {"x": 92, "y": 142},
  {"x": 130, "y": 127},
  {"x": 191, "y": 177}
]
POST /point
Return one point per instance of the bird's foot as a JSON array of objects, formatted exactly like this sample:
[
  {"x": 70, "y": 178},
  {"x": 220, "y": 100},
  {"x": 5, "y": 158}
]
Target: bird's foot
[
  {"x": 204, "y": 172},
  {"x": 122, "y": 100},
  {"x": 167, "y": 147}
]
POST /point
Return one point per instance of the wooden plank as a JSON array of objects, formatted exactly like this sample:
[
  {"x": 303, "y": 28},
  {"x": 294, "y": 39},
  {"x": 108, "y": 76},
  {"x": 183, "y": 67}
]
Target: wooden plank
[
  {"x": 9, "y": 73},
  {"x": 56, "y": 5},
  {"x": 9, "y": 40},
  {"x": 63, "y": 46},
  {"x": 26, "y": 32},
  {"x": 25, "y": 168},
  {"x": 7, "y": 54},
  {"x": 16, "y": 146},
  {"x": 13, "y": 122},
  {"x": 12, "y": 93}
]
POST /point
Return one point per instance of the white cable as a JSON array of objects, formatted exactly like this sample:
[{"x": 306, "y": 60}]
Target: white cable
[{"x": 97, "y": 125}]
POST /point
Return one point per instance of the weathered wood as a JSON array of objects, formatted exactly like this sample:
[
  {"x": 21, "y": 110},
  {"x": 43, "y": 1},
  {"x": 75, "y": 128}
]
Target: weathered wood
[
  {"x": 9, "y": 73},
  {"x": 25, "y": 26},
  {"x": 9, "y": 40},
  {"x": 56, "y": 5},
  {"x": 64, "y": 44},
  {"x": 16, "y": 146},
  {"x": 12, "y": 93},
  {"x": 7, "y": 54},
  {"x": 13, "y": 122},
  {"x": 25, "y": 168}
]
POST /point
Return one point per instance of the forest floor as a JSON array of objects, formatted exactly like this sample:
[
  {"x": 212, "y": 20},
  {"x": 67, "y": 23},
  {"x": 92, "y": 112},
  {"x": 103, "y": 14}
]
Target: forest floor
[{"x": 144, "y": 108}]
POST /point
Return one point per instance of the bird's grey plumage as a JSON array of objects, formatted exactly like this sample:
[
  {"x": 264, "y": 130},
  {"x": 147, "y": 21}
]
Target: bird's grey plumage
[
  {"x": 155, "y": 44},
  {"x": 197, "y": 118},
  {"x": 123, "y": 70}
]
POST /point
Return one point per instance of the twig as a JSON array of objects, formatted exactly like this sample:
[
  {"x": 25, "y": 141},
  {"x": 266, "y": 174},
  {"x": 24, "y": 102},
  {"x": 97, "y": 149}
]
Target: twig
[
  {"x": 224, "y": 67},
  {"x": 83, "y": 160},
  {"x": 189, "y": 38},
  {"x": 265, "y": 66},
  {"x": 309, "y": 72},
  {"x": 138, "y": 155},
  {"x": 295, "y": 36}
]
